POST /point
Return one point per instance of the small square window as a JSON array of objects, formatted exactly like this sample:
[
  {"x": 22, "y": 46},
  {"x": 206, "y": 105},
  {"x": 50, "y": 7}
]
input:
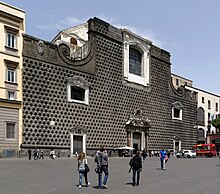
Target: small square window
[
  {"x": 11, "y": 95},
  {"x": 78, "y": 90},
  {"x": 10, "y": 130},
  {"x": 177, "y": 111},
  {"x": 11, "y": 75},
  {"x": 77, "y": 93}
]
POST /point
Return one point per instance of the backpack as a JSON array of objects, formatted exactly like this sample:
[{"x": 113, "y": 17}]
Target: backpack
[{"x": 135, "y": 163}]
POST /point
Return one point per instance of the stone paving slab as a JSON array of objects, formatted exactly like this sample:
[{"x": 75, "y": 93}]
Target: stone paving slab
[{"x": 59, "y": 176}]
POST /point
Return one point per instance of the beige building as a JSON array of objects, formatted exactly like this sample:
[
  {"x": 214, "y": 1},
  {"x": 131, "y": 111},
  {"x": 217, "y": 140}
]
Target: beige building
[
  {"x": 208, "y": 107},
  {"x": 180, "y": 81},
  {"x": 12, "y": 25}
]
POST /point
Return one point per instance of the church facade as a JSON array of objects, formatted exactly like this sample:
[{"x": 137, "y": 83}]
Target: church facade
[{"x": 97, "y": 85}]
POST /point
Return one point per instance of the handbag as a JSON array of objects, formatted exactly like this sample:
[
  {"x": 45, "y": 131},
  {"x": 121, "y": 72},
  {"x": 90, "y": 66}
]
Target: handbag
[
  {"x": 87, "y": 169},
  {"x": 98, "y": 169}
]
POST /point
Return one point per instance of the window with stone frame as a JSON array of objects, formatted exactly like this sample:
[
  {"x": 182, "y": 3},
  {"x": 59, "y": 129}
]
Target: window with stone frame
[
  {"x": 177, "y": 111},
  {"x": 11, "y": 71},
  {"x": 11, "y": 75},
  {"x": 77, "y": 93},
  {"x": 11, "y": 95},
  {"x": 136, "y": 54},
  {"x": 10, "y": 131},
  {"x": 11, "y": 35},
  {"x": 135, "y": 61},
  {"x": 78, "y": 90},
  {"x": 11, "y": 40}
]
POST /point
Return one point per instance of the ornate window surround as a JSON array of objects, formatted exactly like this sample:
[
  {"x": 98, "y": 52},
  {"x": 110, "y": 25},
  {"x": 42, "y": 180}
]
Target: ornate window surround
[
  {"x": 177, "y": 105},
  {"x": 143, "y": 45},
  {"x": 81, "y": 83}
]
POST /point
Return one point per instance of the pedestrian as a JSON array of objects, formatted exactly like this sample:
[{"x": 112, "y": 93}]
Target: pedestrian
[
  {"x": 52, "y": 154},
  {"x": 36, "y": 154},
  {"x": 83, "y": 169},
  {"x": 136, "y": 165},
  {"x": 144, "y": 155},
  {"x": 163, "y": 158},
  {"x": 41, "y": 155},
  {"x": 102, "y": 161},
  {"x": 29, "y": 154}
]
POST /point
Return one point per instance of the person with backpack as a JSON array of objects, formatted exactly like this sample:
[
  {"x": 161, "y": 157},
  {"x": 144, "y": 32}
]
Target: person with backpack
[
  {"x": 136, "y": 165},
  {"x": 102, "y": 161},
  {"x": 82, "y": 168}
]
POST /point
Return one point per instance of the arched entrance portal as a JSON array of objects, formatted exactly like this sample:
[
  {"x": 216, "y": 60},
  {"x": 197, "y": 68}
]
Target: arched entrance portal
[{"x": 137, "y": 129}]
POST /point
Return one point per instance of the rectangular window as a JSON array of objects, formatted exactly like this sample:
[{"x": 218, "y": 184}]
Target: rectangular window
[
  {"x": 216, "y": 106},
  {"x": 11, "y": 75},
  {"x": 209, "y": 104},
  {"x": 11, "y": 40},
  {"x": 10, "y": 131},
  {"x": 11, "y": 95},
  {"x": 176, "y": 113},
  {"x": 203, "y": 100},
  {"x": 209, "y": 115},
  {"x": 135, "y": 58},
  {"x": 177, "y": 82},
  {"x": 77, "y": 93}
]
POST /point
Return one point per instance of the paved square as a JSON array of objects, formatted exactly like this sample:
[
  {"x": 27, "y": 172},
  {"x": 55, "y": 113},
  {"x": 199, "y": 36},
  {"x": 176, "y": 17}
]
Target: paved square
[{"x": 59, "y": 176}]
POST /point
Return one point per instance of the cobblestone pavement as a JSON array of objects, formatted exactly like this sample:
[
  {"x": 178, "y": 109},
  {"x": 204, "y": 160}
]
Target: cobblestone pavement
[{"x": 59, "y": 176}]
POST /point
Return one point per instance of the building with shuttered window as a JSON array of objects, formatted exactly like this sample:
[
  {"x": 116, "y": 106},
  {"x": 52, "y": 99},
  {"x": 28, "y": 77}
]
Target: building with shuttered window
[{"x": 12, "y": 25}]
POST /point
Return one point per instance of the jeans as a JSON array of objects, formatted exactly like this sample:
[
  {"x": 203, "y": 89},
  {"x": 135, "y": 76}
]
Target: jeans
[
  {"x": 86, "y": 177},
  {"x": 135, "y": 171},
  {"x": 81, "y": 174},
  {"x": 104, "y": 169},
  {"x": 162, "y": 163}
]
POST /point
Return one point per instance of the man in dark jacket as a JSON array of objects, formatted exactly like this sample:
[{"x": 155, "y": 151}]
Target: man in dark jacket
[
  {"x": 136, "y": 164},
  {"x": 102, "y": 160}
]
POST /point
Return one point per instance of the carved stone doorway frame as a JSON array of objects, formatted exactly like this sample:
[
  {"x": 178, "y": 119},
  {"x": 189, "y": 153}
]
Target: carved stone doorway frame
[
  {"x": 137, "y": 123},
  {"x": 77, "y": 131},
  {"x": 176, "y": 143}
]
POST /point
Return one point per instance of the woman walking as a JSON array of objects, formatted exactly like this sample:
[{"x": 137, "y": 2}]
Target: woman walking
[{"x": 82, "y": 168}]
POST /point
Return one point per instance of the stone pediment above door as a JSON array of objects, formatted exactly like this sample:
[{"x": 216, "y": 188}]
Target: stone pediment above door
[
  {"x": 78, "y": 130},
  {"x": 137, "y": 120}
]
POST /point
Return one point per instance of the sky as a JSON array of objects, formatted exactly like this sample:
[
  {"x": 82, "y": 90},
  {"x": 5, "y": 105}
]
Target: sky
[{"x": 188, "y": 29}]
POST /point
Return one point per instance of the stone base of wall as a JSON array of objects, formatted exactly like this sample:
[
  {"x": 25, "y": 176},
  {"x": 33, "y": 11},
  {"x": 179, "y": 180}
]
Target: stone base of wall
[{"x": 9, "y": 153}]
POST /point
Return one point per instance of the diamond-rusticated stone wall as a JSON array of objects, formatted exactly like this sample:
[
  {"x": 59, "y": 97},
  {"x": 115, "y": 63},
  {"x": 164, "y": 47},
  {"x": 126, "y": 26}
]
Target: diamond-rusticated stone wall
[{"x": 111, "y": 99}]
